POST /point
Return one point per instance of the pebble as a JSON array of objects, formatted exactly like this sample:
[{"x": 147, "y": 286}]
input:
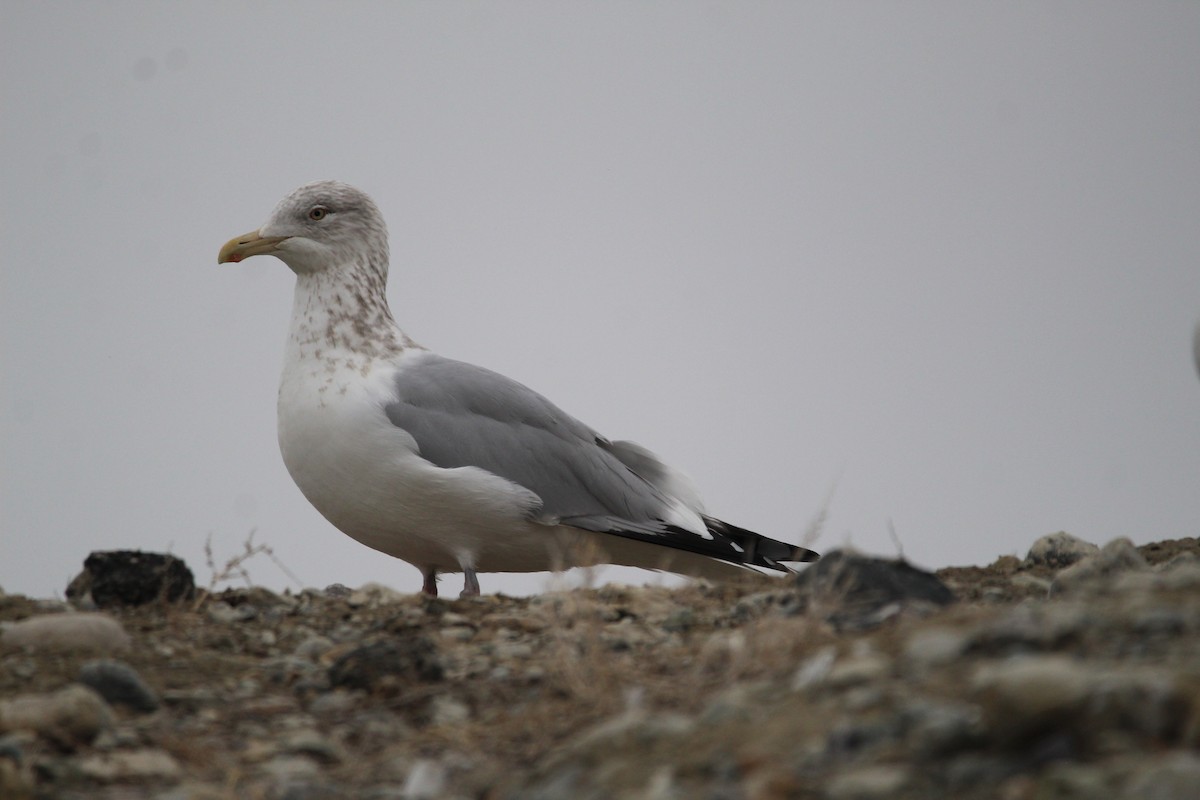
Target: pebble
[
  {"x": 814, "y": 671},
  {"x": 1059, "y": 550},
  {"x": 868, "y": 783},
  {"x": 934, "y": 647},
  {"x": 366, "y": 666},
  {"x": 1098, "y": 571},
  {"x": 426, "y": 781},
  {"x": 71, "y": 717},
  {"x": 131, "y": 766},
  {"x": 1174, "y": 776},
  {"x": 1027, "y": 695},
  {"x": 67, "y": 633},
  {"x": 119, "y": 684}
]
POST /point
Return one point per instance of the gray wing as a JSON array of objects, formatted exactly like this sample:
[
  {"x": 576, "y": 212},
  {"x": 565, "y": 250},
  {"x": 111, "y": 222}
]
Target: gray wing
[{"x": 466, "y": 416}]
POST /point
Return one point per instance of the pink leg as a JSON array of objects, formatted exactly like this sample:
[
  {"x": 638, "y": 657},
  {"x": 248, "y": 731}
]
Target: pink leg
[
  {"x": 470, "y": 584},
  {"x": 429, "y": 587}
]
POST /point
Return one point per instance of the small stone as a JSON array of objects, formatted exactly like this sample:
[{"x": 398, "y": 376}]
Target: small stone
[
  {"x": 69, "y": 632},
  {"x": 287, "y": 769},
  {"x": 936, "y": 729},
  {"x": 815, "y": 669},
  {"x": 1176, "y": 776},
  {"x": 868, "y": 783},
  {"x": 1025, "y": 696},
  {"x": 457, "y": 633},
  {"x": 1099, "y": 570},
  {"x": 857, "y": 671},
  {"x": 334, "y": 703},
  {"x": 70, "y": 717},
  {"x": 311, "y": 743},
  {"x": 131, "y": 766},
  {"x": 225, "y": 614},
  {"x": 1030, "y": 584},
  {"x": 1059, "y": 550},
  {"x": 507, "y": 651},
  {"x": 313, "y": 647},
  {"x": 373, "y": 595},
  {"x": 119, "y": 684},
  {"x": 448, "y": 710},
  {"x": 406, "y": 660},
  {"x": 934, "y": 647},
  {"x": 426, "y": 781},
  {"x": 1145, "y": 702}
]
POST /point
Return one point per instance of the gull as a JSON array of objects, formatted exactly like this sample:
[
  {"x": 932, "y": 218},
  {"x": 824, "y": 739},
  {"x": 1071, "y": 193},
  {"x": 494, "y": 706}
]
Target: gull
[{"x": 449, "y": 466}]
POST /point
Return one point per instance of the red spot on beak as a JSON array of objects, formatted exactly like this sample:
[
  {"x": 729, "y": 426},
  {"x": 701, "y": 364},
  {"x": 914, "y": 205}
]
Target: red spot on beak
[{"x": 236, "y": 257}]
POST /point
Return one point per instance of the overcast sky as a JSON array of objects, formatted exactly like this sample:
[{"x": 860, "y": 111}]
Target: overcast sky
[{"x": 938, "y": 262}]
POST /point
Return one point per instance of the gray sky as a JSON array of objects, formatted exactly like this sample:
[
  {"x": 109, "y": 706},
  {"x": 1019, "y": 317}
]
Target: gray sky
[{"x": 945, "y": 256}]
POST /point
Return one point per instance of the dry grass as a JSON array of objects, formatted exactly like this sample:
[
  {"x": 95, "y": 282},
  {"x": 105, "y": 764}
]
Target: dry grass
[{"x": 234, "y": 568}]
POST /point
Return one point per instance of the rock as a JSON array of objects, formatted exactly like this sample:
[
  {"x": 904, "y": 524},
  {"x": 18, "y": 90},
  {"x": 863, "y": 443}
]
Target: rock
[
  {"x": 134, "y": 766},
  {"x": 70, "y": 718},
  {"x": 1023, "y": 697},
  {"x": 1059, "y": 550},
  {"x": 1175, "y": 776},
  {"x": 936, "y": 729},
  {"x": 868, "y": 783},
  {"x": 870, "y": 668},
  {"x": 119, "y": 684},
  {"x": 313, "y": 647},
  {"x": 224, "y": 613},
  {"x": 426, "y": 781},
  {"x": 449, "y": 710},
  {"x": 1098, "y": 571},
  {"x": 373, "y": 595},
  {"x": 311, "y": 743},
  {"x": 391, "y": 662},
  {"x": 1145, "y": 702},
  {"x": 934, "y": 647},
  {"x": 132, "y": 578},
  {"x": 814, "y": 671},
  {"x": 66, "y": 633},
  {"x": 856, "y": 592},
  {"x": 289, "y": 770}
]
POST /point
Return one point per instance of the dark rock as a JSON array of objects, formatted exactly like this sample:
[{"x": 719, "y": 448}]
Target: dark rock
[
  {"x": 119, "y": 684},
  {"x": 132, "y": 578},
  {"x": 856, "y": 592},
  {"x": 395, "y": 662}
]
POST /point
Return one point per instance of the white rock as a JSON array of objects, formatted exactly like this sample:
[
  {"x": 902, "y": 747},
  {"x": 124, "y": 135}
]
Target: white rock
[
  {"x": 934, "y": 647},
  {"x": 131, "y": 766},
  {"x": 1023, "y": 695},
  {"x": 1174, "y": 777},
  {"x": 425, "y": 781},
  {"x": 1099, "y": 570},
  {"x": 1058, "y": 550},
  {"x": 67, "y": 632},
  {"x": 868, "y": 783},
  {"x": 815, "y": 669},
  {"x": 70, "y": 717}
]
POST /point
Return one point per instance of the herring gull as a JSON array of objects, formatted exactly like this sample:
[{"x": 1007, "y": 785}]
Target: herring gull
[{"x": 449, "y": 466}]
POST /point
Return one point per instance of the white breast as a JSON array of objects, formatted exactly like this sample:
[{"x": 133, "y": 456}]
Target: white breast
[{"x": 366, "y": 477}]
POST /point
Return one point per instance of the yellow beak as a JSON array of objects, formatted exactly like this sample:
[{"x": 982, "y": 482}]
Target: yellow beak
[{"x": 250, "y": 244}]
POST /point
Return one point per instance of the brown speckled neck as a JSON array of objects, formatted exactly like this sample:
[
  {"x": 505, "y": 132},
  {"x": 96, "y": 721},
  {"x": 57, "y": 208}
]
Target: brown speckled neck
[{"x": 343, "y": 313}]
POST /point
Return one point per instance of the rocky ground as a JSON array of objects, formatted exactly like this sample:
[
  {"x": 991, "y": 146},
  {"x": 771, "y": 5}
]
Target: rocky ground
[{"x": 1073, "y": 673}]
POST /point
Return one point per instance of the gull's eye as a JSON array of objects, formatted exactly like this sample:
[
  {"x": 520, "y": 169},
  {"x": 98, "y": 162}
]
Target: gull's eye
[{"x": 317, "y": 213}]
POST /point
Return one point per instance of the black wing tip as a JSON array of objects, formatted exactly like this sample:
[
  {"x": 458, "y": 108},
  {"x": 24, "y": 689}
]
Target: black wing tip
[
  {"x": 759, "y": 550},
  {"x": 804, "y": 555}
]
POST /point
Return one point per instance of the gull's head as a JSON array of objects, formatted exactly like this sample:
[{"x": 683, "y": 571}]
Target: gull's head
[{"x": 317, "y": 227}]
